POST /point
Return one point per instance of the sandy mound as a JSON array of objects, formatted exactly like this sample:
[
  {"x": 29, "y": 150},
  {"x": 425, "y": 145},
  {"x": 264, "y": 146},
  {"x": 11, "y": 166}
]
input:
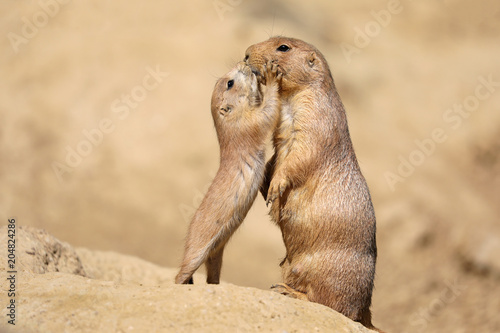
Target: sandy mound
[{"x": 63, "y": 289}]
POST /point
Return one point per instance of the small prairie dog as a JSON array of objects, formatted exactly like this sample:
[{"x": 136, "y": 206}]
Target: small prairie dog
[
  {"x": 319, "y": 197},
  {"x": 245, "y": 114}
]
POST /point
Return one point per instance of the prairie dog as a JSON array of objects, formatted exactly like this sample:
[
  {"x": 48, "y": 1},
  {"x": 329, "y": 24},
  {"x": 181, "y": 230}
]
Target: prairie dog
[
  {"x": 319, "y": 197},
  {"x": 245, "y": 114}
]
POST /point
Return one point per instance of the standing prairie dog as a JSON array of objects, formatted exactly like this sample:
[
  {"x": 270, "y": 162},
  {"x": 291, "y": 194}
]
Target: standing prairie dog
[
  {"x": 244, "y": 119},
  {"x": 319, "y": 197}
]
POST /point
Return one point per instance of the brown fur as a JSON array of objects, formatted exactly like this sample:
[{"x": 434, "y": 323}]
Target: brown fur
[
  {"x": 319, "y": 197},
  {"x": 244, "y": 119}
]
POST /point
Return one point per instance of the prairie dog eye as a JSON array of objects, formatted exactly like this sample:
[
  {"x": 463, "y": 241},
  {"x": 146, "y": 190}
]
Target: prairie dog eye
[
  {"x": 230, "y": 84},
  {"x": 283, "y": 48}
]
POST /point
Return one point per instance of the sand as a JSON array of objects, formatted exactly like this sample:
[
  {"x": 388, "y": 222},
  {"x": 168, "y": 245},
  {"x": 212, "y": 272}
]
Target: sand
[{"x": 62, "y": 289}]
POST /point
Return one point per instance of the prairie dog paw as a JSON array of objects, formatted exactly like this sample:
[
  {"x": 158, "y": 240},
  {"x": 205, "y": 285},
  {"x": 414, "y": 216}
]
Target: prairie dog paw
[
  {"x": 184, "y": 278},
  {"x": 271, "y": 73},
  {"x": 277, "y": 187},
  {"x": 288, "y": 291}
]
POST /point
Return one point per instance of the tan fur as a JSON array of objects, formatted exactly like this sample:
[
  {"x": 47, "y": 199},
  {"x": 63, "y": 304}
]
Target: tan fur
[
  {"x": 244, "y": 119},
  {"x": 319, "y": 197}
]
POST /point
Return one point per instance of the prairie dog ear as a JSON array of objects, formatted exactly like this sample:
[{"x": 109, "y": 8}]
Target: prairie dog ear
[{"x": 311, "y": 59}]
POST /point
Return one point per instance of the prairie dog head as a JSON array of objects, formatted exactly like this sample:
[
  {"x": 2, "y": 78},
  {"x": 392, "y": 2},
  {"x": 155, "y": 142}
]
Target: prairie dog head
[
  {"x": 300, "y": 62},
  {"x": 235, "y": 96},
  {"x": 234, "y": 92}
]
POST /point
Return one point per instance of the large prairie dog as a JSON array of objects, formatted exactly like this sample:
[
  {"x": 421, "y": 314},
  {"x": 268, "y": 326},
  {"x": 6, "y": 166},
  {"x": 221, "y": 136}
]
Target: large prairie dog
[
  {"x": 319, "y": 197},
  {"x": 244, "y": 119}
]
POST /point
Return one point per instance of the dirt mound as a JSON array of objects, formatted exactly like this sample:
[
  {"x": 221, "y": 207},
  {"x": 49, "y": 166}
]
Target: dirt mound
[{"x": 88, "y": 291}]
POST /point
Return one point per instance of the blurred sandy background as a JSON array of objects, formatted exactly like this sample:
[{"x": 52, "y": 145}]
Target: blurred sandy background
[{"x": 127, "y": 86}]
